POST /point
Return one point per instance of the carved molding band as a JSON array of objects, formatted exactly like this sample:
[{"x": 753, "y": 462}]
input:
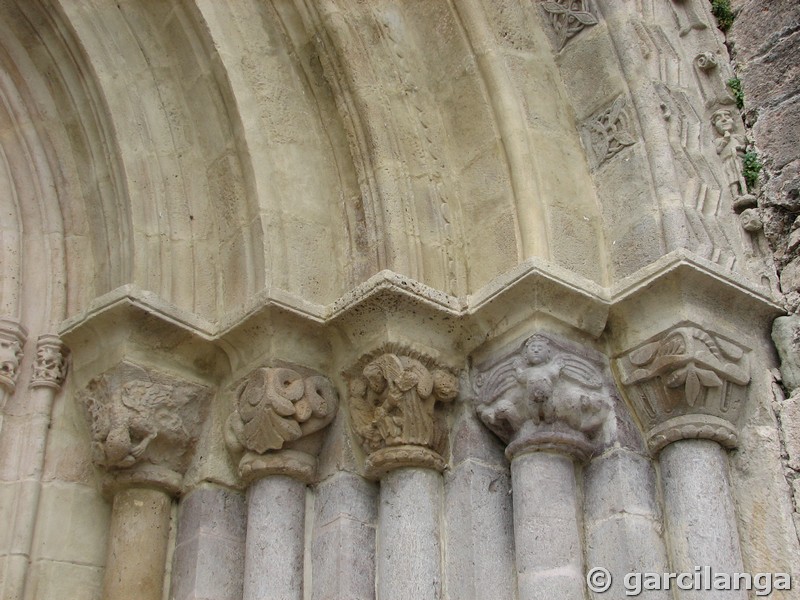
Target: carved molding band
[
  {"x": 274, "y": 408},
  {"x": 392, "y": 409},
  {"x": 12, "y": 340},
  {"x": 687, "y": 384},
  {"x": 50, "y": 367},
  {"x": 145, "y": 425},
  {"x": 543, "y": 397}
]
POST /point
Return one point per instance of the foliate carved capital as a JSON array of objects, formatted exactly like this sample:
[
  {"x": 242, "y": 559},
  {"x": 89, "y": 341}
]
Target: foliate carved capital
[
  {"x": 393, "y": 400},
  {"x": 50, "y": 367},
  {"x": 542, "y": 396},
  {"x": 688, "y": 383},
  {"x": 12, "y": 340},
  {"x": 145, "y": 425},
  {"x": 274, "y": 409}
]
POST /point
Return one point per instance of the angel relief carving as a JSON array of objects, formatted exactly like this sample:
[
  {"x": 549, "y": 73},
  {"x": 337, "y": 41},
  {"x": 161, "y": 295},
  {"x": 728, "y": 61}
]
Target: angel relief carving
[
  {"x": 275, "y": 407},
  {"x": 545, "y": 396}
]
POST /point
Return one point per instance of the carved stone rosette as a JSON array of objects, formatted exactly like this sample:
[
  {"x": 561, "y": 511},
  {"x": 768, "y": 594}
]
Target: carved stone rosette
[
  {"x": 12, "y": 339},
  {"x": 688, "y": 383},
  {"x": 544, "y": 397},
  {"x": 50, "y": 367},
  {"x": 393, "y": 402},
  {"x": 275, "y": 410},
  {"x": 145, "y": 425}
]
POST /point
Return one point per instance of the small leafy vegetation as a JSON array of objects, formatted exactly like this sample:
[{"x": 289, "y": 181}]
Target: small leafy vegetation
[
  {"x": 752, "y": 167},
  {"x": 735, "y": 85},
  {"x": 722, "y": 10}
]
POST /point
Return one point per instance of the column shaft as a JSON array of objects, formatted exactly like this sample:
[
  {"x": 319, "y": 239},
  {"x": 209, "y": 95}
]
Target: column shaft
[
  {"x": 137, "y": 545},
  {"x": 409, "y": 562},
  {"x": 273, "y": 567},
  {"x": 547, "y": 536},
  {"x": 700, "y": 516}
]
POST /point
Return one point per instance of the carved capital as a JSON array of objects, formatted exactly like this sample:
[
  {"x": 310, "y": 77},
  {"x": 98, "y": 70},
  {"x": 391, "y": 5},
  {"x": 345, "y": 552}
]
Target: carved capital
[
  {"x": 145, "y": 425},
  {"x": 12, "y": 340},
  {"x": 543, "y": 396},
  {"x": 688, "y": 383},
  {"x": 393, "y": 399},
  {"x": 50, "y": 367},
  {"x": 274, "y": 409}
]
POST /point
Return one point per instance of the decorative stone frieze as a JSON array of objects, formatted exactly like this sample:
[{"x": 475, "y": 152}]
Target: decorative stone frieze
[
  {"x": 687, "y": 383},
  {"x": 609, "y": 131},
  {"x": 393, "y": 402},
  {"x": 542, "y": 397},
  {"x": 50, "y": 366},
  {"x": 274, "y": 408},
  {"x": 12, "y": 339},
  {"x": 145, "y": 425},
  {"x": 569, "y": 18}
]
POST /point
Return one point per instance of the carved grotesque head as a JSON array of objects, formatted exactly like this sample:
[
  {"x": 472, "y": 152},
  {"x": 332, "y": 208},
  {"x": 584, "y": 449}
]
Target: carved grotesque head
[
  {"x": 537, "y": 350},
  {"x": 10, "y": 355}
]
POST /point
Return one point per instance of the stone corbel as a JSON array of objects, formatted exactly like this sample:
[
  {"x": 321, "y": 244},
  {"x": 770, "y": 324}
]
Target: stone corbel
[
  {"x": 276, "y": 410},
  {"x": 543, "y": 397},
  {"x": 12, "y": 340},
  {"x": 687, "y": 383},
  {"x": 393, "y": 400},
  {"x": 145, "y": 425}
]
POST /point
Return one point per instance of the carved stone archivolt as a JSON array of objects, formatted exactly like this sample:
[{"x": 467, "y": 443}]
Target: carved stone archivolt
[
  {"x": 50, "y": 366},
  {"x": 544, "y": 397},
  {"x": 12, "y": 340},
  {"x": 569, "y": 18},
  {"x": 688, "y": 383},
  {"x": 609, "y": 131},
  {"x": 275, "y": 410},
  {"x": 393, "y": 401},
  {"x": 145, "y": 425}
]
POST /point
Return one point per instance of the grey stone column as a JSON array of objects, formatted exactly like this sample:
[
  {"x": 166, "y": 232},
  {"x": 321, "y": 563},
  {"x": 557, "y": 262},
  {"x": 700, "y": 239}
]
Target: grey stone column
[
  {"x": 273, "y": 565},
  {"x": 392, "y": 408},
  {"x": 409, "y": 549},
  {"x": 688, "y": 387},
  {"x": 547, "y": 527},
  {"x": 700, "y": 517}
]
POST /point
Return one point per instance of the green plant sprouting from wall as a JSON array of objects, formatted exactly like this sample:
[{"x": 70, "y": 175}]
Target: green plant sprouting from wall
[
  {"x": 723, "y": 12},
  {"x": 752, "y": 167},
  {"x": 735, "y": 85}
]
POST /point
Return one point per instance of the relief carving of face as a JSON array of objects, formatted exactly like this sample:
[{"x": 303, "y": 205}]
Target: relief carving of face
[
  {"x": 722, "y": 121},
  {"x": 537, "y": 350}
]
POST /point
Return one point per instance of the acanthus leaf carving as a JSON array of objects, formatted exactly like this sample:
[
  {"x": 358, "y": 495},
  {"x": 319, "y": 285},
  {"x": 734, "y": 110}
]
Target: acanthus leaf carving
[
  {"x": 568, "y": 18},
  {"x": 274, "y": 408},
  {"x": 688, "y": 380},
  {"x": 544, "y": 397},
  {"x": 393, "y": 402},
  {"x": 144, "y": 423}
]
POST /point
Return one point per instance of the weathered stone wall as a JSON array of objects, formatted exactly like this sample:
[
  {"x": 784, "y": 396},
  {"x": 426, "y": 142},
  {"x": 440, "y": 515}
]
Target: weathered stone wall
[{"x": 765, "y": 47}]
